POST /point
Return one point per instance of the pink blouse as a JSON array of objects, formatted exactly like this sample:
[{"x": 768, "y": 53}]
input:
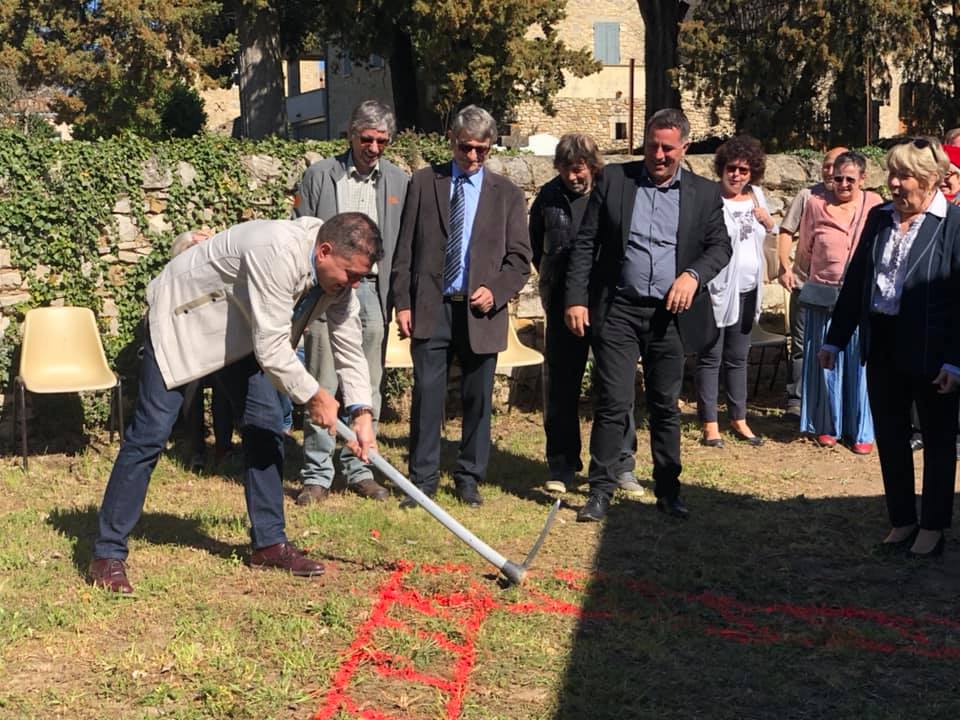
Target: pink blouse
[{"x": 826, "y": 242}]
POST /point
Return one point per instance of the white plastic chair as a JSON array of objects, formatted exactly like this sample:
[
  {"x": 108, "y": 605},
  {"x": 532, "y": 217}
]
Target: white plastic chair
[{"x": 61, "y": 352}]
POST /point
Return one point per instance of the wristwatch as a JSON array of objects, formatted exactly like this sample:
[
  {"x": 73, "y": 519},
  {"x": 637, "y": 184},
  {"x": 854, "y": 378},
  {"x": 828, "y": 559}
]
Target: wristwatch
[{"x": 361, "y": 411}]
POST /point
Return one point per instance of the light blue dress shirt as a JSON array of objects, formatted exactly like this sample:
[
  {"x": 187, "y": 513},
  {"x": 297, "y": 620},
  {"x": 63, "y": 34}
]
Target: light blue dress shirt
[
  {"x": 650, "y": 262},
  {"x": 471, "y": 198}
]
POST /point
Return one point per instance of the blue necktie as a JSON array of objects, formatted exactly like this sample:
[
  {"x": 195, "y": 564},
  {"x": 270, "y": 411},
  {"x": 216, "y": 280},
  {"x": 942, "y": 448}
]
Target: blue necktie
[
  {"x": 453, "y": 262},
  {"x": 302, "y": 312}
]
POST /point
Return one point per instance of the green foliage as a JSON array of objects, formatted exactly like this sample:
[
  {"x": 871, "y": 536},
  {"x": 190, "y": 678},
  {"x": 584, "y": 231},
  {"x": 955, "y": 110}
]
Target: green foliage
[
  {"x": 479, "y": 51},
  {"x": 182, "y": 115},
  {"x": 112, "y": 61},
  {"x": 794, "y": 73},
  {"x": 56, "y": 215}
]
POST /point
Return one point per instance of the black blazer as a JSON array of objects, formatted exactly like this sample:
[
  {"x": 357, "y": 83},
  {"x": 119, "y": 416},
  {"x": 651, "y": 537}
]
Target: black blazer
[
  {"x": 928, "y": 324},
  {"x": 596, "y": 261},
  {"x": 499, "y": 253}
]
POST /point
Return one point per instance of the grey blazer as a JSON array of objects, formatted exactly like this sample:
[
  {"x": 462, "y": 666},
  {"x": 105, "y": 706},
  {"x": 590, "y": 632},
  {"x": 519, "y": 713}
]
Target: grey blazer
[{"x": 317, "y": 197}]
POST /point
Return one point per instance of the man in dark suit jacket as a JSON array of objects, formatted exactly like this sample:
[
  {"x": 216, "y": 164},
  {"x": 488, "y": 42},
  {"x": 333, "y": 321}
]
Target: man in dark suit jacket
[
  {"x": 451, "y": 282},
  {"x": 652, "y": 237}
]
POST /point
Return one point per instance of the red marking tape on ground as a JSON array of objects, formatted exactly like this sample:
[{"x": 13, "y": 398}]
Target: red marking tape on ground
[{"x": 463, "y": 611}]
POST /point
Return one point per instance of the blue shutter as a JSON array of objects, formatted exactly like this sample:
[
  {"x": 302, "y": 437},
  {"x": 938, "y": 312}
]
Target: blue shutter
[{"x": 606, "y": 42}]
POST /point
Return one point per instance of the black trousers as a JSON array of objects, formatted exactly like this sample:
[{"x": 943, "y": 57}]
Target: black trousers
[
  {"x": 891, "y": 393},
  {"x": 431, "y": 361},
  {"x": 565, "y": 356},
  {"x": 632, "y": 329}
]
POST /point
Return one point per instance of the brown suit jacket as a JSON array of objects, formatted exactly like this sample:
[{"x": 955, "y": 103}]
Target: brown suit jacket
[{"x": 499, "y": 254}]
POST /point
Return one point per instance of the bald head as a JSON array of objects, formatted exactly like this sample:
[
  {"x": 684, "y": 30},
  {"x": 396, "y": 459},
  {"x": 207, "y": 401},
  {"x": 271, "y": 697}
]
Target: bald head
[{"x": 826, "y": 168}]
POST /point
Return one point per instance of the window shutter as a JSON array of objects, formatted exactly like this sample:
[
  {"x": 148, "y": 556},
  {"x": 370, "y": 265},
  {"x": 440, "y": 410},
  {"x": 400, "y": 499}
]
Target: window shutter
[{"x": 606, "y": 42}]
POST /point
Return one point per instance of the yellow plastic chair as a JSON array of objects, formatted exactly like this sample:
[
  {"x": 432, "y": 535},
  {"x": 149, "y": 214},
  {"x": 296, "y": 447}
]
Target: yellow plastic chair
[
  {"x": 518, "y": 355},
  {"x": 61, "y": 352},
  {"x": 398, "y": 350}
]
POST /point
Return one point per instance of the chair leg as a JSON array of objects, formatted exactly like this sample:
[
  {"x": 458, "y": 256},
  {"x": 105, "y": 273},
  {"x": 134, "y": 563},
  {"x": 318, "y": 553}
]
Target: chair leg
[
  {"x": 120, "y": 409},
  {"x": 776, "y": 366},
  {"x": 756, "y": 383},
  {"x": 22, "y": 413}
]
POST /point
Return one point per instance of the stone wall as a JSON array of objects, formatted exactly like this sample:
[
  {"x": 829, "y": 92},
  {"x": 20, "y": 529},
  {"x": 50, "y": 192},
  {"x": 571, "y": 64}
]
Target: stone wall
[
  {"x": 594, "y": 116},
  {"x": 785, "y": 175}
]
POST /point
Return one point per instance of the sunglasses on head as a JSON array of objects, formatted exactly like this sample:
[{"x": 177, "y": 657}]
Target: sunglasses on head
[{"x": 919, "y": 143}]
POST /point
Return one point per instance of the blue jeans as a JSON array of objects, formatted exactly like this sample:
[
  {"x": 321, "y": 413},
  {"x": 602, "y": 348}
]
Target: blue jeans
[
  {"x": 253, "y": 400},
  {"x": 318, "y": 444}
]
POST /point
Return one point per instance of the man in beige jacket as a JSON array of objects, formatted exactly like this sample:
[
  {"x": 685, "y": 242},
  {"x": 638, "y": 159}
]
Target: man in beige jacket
[{"x": 235, "y": 305}]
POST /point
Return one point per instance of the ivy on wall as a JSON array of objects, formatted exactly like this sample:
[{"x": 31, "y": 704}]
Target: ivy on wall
[{"x": 57, "y": 201}]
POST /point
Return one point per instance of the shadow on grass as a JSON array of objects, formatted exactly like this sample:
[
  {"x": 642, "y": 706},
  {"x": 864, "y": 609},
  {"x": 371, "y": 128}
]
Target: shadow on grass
[
  {"x": 158, "y": 528},
  {"x": 760, "y": 609}
]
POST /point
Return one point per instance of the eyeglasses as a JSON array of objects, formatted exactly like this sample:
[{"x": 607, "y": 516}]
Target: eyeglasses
[
  {"x": 844, "y": 180},
  {"x": 370, "y": 140},
  {"x": 467, "y": 148},
  {"x": 737, "y": 169}
]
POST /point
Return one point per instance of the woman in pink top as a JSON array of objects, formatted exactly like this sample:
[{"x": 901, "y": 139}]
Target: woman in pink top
[{"x": 834, "y": 402}]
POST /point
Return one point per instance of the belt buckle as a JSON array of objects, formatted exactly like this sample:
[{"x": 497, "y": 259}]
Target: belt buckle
[{"x": 457, "y": 297}]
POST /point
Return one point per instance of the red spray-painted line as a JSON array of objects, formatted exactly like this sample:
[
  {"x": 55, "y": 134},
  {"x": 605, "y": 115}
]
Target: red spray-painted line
[
  {"x": 476, "y": 604},
  {"x": 466, "y": 610}
]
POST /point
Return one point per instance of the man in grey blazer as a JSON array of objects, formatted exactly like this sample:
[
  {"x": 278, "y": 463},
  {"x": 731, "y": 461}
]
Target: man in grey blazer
[
  {"x": 463, "y": 253},
  {"x": 359, "y": 180},
  {"x": 652, "y": 237},
  {"x": 235, "y": 305}
]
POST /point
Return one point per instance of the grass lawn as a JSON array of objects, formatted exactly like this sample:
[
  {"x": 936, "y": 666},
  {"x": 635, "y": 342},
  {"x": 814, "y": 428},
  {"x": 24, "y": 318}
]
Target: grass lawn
[{"x": 770, "y": 602}]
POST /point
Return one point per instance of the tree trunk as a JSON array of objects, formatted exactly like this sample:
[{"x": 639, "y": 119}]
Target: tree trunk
[
  {"x": 262, "y": 100},
  {"x": 661, "y": 19},
  {"x": 403, "y": 76}
]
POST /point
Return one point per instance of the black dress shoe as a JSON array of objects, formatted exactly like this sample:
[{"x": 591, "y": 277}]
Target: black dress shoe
[
  {"x": 674, "y": 507},
  {"x": 408, "y": 503},
  {"x": 937, "y": 550},
  {"x": 469, "y": 494},
  {"x": 754, "y": 440},
  {"x": 895, "y": 548},
  {"x": 595, "y": 509},
  {"x": 712, "y": 442}
]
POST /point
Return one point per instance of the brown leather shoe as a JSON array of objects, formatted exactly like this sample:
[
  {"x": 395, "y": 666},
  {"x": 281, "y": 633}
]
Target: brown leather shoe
[
  {"x": 312, "y": 494},
  {"x": 110, "y": 574},
  {"x": 285, "y": 556},
  {"x": 370, "y": 488}
]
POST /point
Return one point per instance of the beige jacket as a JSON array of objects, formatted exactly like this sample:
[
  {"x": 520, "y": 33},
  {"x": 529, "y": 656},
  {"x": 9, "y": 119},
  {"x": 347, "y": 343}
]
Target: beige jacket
[{"x": 234, "y": 294}]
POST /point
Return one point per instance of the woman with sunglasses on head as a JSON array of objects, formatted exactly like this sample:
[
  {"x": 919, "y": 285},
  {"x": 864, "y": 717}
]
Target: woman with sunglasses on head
[
  {"x": 902, "y": 291},
  {"x": 834, "y": 404},
  {"x": 735, "y": 291}
]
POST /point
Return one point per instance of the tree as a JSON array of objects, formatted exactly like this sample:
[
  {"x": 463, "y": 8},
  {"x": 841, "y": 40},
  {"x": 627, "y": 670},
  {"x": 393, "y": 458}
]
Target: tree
[
  {"x": 446, "y": 53},
  {"x": 795, "y": 72},
  {"x": 111, "y": 62},
  {"x": 661, "y": 21}
]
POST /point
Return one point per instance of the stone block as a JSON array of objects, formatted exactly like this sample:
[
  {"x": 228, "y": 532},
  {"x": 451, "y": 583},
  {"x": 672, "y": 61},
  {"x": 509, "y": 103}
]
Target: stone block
[
  {"x": 127, "y": 229},
  {"x": 10, "y": 280},
  {"x": 186, "y": 173},
  {"x": 122, "y": 205},
  {"x": 156, "y": 205},
  {"x": 156, "y": 177},
  {"x": 129, "y": 257},
  {"x": 9, "y": 299},
  {"x": 109, "y": 308},
  {"x": 310, "y": 157},
  {"x": 262, "y": 168},
  {"x": 158, "y": 224},
  {"x": 41, "y": 272},
  {"x": 5, "y": 260}
]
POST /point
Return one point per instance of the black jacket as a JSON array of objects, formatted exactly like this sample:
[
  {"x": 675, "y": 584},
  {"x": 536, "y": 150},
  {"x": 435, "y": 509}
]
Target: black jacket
[
  {"x": 596, "y": 261},
  {"x": 554, "y": 220}
]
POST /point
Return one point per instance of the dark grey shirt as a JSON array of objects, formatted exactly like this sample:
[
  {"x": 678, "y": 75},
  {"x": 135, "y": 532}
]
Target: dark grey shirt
[{"x": 650, "y": 262}]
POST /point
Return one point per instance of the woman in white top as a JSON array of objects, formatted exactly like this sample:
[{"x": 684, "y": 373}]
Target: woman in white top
[{"x": 735, "y": 292}]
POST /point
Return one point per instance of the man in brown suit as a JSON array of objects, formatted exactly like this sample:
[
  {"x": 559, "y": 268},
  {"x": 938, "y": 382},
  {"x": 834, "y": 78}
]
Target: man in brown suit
[{"x": 463, "y": 253}]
